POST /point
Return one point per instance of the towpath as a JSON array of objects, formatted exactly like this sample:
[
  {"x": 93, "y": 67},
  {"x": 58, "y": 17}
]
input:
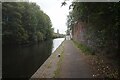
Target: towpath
[{"x": 73, "y": 64}]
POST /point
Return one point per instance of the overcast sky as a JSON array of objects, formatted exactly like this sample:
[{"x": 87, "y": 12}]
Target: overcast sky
[{"x": 57, "y": 14}]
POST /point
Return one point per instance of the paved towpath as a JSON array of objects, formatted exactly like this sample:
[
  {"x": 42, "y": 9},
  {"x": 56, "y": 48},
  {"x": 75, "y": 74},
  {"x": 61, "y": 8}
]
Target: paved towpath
[{"x": 73, "y": 63}]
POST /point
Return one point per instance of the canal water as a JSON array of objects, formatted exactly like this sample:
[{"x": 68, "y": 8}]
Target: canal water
[
  {"x": 23, "y": 62},
  {"x": 56, "y": 43}
]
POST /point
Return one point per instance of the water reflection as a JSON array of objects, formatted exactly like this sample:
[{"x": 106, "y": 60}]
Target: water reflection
[{"x": 24, "y": 61}]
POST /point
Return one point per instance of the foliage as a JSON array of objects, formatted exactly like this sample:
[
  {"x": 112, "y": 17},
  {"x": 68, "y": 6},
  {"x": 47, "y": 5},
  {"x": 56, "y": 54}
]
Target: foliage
[
  {"x": 101, "y": 25},
  {"x": 39, "y": 36},
  {"x": 24, "y": 22}
]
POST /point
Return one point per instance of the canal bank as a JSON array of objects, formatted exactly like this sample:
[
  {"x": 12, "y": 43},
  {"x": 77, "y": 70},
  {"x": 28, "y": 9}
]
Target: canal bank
[{"x": 50, "y": 66}]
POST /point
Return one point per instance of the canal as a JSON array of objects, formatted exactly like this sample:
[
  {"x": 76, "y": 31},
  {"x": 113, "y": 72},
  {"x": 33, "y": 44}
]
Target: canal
[{"x": 23, "y": 61}]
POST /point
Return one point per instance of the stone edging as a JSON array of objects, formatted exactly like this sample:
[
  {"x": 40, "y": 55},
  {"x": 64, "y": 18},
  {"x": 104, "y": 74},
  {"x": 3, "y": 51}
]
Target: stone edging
[{"x": 47, "y": 70}]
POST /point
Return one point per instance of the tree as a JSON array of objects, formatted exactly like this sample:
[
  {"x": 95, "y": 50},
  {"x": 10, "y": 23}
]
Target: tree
[
  {"x": 101, "y": 25},
  {"x": 25, "y": 22}
]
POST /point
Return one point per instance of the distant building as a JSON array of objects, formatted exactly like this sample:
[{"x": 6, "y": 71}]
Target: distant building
[
  {"x": 68, "y": 34},
  {"x": 57, "y": 31},
  {"x": 58, "y": 35}
]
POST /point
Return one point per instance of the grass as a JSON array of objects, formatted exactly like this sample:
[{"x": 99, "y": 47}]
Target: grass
[
  {"x": 101, "y": 65},
  {"x": 83, "y": 48},
  {"x": 57, "y": 72},
  {"x": 49, "y": 65}
]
